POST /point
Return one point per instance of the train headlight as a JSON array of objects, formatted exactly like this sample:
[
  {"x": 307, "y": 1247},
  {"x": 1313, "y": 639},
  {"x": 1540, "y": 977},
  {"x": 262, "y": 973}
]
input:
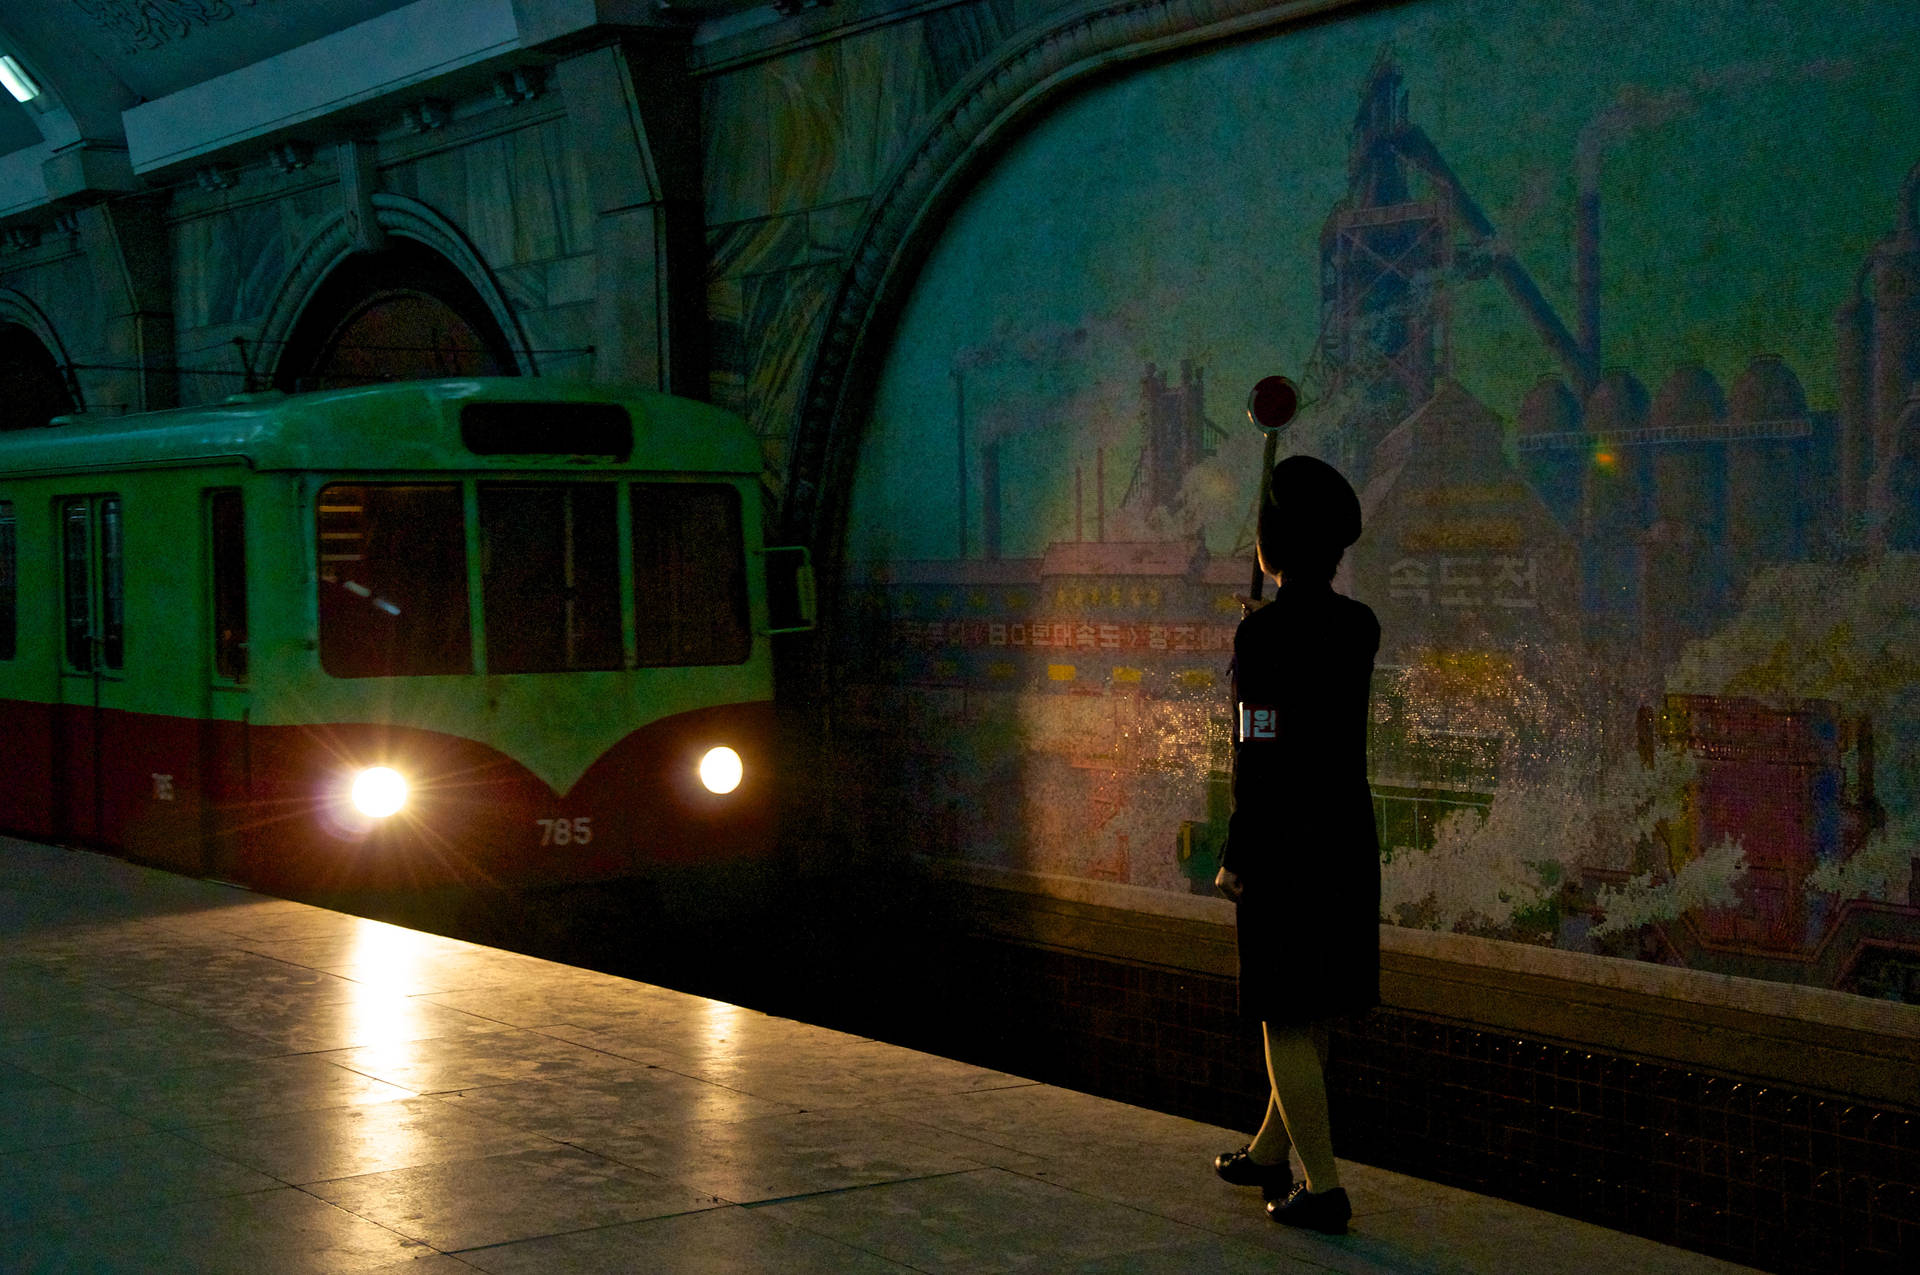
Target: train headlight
[
  {"x": 379, "y": 791},
  {"x": 720, "y": 770}
]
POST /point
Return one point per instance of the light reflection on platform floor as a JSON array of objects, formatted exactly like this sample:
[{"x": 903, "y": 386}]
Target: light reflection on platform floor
[{"x": 196, "y": 1078}]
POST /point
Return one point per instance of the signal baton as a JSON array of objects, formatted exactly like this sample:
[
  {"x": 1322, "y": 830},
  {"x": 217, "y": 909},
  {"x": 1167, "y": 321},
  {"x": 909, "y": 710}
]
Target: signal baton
[{"x": 1271, "y": 406}]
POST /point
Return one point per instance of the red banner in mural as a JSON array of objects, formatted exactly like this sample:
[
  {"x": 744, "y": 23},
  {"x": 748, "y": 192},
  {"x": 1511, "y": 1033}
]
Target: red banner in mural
[{"x": 1170, "y": 639}]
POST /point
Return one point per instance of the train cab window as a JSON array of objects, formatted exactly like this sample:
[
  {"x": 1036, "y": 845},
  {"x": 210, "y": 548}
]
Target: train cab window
[
  {"x": 689, "y": 574},
  {"x": 227, "y": 533},
  {"x": 393, "y": 580},
  {"x": 550, "y": 576},
  {"x": 9, "y": 574}
]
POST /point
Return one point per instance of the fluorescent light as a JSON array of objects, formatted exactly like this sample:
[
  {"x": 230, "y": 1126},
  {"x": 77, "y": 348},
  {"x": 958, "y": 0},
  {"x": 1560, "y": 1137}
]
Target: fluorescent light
[{"x": 18, "y": 82}]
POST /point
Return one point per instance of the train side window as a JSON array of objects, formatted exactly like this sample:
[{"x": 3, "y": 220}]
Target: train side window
[
  {"x": 689, "y": 574},
  {"x": 550, "y": 576},
  {"x": 393, "y": 580},
  {"x": 76, "y": 554},
  {"x": 227, "y": 545},
  {"x": 9, "y": 574}
]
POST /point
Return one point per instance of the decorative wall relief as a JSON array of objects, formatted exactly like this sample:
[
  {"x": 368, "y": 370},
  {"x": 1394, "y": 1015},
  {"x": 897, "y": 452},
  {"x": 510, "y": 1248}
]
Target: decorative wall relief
[
  {"x": 1620, "y": 352},
  {"x": 148, "y": 24}
]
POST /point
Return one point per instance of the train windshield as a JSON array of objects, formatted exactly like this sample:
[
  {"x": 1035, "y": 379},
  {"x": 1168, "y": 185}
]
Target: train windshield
[
  {"x": 550, "y": 576},
  {"x": 393, "y": 580},
  {"x": 689, "y": 574},
  {"x": 393, "y": 571}
]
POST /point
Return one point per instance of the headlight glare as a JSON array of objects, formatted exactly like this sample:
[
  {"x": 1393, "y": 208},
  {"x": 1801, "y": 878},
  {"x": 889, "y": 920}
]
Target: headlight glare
[
  {"x": 379, "y": 791},
  {"x": 720, "y": 770}
]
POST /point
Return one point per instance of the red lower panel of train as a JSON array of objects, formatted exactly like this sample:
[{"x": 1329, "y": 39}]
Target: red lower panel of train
[{"x": 269, "y": 805}]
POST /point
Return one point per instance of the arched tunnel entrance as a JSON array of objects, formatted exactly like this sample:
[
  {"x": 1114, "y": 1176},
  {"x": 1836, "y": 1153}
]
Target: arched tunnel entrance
[
  {"x": 33, "y": 387},
  {"x": 403, "y": 313}
]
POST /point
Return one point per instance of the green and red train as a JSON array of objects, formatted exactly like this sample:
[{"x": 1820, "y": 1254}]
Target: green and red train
[{"x": 508, "y": 631}]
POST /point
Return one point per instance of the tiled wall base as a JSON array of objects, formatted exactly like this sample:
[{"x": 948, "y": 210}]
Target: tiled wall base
[{"x": 1780, "y": 1180}]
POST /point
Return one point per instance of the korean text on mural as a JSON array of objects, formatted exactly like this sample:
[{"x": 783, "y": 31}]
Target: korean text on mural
[
  {"x": 1501, "y": 580},
  {"x": 1064, "y": 635}
]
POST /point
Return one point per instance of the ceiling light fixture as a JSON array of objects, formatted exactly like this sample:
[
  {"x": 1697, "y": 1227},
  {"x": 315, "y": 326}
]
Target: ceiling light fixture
[{"x": 17, "y": 81}]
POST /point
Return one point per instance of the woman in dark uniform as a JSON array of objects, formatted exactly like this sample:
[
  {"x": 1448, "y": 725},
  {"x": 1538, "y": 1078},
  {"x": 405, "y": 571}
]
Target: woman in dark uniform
[{"x": 1302, "y": 859}]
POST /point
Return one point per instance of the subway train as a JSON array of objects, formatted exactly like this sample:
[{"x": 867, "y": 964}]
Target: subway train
[{"x": 489, "y": 631}]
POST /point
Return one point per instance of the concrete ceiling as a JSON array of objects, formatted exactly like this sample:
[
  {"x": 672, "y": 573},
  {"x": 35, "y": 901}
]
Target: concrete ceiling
[
  {"x": 97, "y": 60},
  {"x": 94, "y": 59},
  {"x": 17, "y": 128},
  {"x": 137, "y": 50}
]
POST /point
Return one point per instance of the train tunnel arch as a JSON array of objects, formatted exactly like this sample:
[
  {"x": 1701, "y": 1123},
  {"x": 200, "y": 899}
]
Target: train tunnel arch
[
  {"x": 401, "y": 313},
  {"x": 397, "y": 295},
  {"x": 34, "y": 383}
]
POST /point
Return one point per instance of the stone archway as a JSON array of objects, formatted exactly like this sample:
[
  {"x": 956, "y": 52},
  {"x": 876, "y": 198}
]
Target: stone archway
[
  {"x": 420, "y": 278},
  {"x": 402, "y": 313}
]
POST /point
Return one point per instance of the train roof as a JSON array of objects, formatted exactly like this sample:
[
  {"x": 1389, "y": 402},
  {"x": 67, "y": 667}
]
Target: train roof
[{"x": 464, "y": 424}]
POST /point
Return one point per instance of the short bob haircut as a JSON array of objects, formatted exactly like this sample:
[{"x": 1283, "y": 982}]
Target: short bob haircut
[{"x": 1308, "y": 518}]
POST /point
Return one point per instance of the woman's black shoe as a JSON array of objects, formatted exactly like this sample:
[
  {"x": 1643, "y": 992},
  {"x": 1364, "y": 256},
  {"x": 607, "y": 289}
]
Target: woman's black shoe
[
  {"x": 1327, "y": 1212},
  {"x": 1242, "y": 1169}
]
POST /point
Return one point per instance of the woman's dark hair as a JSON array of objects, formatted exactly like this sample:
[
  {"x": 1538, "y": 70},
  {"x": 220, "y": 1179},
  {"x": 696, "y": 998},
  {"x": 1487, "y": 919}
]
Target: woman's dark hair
[{"x": 1308, "y": 518}]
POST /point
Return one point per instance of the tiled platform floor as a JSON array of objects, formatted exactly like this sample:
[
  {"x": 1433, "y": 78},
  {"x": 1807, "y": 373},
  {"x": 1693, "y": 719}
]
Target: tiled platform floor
[{"x": 198, "y": 1079}]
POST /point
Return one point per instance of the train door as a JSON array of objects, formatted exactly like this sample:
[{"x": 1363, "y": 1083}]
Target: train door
[
  {"x": 92, "y": 655},
  {"x": 226, "y": 753}
]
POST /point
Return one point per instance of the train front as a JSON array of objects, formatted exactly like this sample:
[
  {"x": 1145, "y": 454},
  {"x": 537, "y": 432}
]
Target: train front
[{"x": 543, "y": 657}]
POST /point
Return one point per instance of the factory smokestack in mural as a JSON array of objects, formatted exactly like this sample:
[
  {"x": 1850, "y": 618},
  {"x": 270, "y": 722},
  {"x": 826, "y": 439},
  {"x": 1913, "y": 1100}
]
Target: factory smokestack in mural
[
  {"x": 1895, "y": 346},
  {"x": 1853, "y": 338},
  {"x": 1586, "y": 268},
  {"x": 1896, "y": 283},
  {"x": 1877, "y": 357},
  {"x": 1768, "y": 517},
  {"x": 990, "y": 499},
  {"x": 960, "y": 450},
  {"x": 1176, "y": 434},
  {"x": 1099, "y": 493},
  {"x": 1079, "y": 505}
]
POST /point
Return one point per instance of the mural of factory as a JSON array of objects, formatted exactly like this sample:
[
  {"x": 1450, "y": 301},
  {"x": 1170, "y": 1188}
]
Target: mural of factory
[
  {"x": 1066, "y": 675},
  {"x": 1633, "y": 525},
  {"x": 1600, "y": 606}
]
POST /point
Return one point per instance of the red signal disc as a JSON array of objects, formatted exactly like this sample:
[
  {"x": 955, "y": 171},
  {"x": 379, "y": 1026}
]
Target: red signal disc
[{"x": 1273, "y": 402}]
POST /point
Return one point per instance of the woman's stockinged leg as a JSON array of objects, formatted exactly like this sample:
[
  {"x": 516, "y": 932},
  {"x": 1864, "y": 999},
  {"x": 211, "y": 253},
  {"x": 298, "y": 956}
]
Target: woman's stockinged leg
[
  {"x": 1271, "y": 1144},
  {"x": 1300, "y": 1095}
]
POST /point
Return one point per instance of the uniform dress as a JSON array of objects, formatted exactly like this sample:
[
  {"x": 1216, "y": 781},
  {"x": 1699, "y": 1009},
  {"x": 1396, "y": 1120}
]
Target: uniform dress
[{"x": 1301, "y": 838}]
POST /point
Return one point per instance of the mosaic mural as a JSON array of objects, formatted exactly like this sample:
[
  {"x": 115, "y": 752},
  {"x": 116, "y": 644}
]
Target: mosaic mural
[{"x": 1618, "y": 341}]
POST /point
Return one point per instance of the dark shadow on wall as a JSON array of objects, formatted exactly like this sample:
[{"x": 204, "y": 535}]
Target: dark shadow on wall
[{"x": 33, "y": 386}]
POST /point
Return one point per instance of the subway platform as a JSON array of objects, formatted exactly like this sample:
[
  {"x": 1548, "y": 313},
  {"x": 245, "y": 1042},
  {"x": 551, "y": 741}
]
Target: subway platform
[{"x": 196, "y": 1078}]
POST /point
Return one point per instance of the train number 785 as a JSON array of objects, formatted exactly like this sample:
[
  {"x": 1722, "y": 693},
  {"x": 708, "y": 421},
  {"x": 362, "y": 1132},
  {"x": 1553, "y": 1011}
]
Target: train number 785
[{"x": 566, "y": 832}]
